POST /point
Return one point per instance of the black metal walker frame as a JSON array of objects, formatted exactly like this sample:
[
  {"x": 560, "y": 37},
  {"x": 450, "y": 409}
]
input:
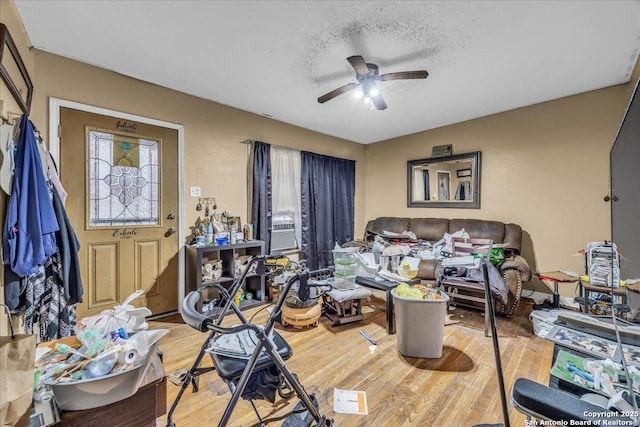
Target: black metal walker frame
[{"x": 205, "y": 323}]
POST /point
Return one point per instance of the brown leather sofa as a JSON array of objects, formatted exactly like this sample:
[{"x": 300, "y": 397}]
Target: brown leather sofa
[{"x": 514, "y": 269}]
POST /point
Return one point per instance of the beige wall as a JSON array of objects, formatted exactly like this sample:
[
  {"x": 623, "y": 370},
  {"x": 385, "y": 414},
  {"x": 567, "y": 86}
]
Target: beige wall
[
  {"x": 545, "y": 167},
  {"x": 215, "y": 159}
]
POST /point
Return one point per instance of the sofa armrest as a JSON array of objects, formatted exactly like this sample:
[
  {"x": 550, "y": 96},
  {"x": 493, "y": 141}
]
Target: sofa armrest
[
  {"x": 517, "y": 262},
  {"x": 515, "y": 271}
]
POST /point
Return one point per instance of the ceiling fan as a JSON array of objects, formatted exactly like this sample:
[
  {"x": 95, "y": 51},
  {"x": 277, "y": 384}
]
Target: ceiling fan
[{"x": 367, "y": 76}]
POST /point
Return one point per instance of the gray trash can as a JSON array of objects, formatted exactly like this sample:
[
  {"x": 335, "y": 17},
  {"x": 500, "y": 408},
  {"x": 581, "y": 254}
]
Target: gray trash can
[{"x": 420, "y": 325}]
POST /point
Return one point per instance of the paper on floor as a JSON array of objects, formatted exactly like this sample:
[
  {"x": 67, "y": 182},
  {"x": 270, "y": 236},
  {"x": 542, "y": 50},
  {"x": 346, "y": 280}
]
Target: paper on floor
[{"x": 350, "y": 402}]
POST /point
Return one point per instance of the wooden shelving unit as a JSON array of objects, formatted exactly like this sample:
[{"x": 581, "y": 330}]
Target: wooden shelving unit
[{"x": 198, "y": 256}]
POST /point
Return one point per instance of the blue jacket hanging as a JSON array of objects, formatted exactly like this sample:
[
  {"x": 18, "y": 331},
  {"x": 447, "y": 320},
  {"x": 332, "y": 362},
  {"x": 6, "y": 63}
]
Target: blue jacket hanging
[{"x": 30, "y": 226}]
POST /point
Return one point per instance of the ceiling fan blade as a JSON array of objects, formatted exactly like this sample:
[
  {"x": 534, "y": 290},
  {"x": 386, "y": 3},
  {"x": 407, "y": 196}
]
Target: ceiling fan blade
[
  {"x": 358, "y": 64},
  {"x": 342, "y": 89},
  {"x": 402, "y": 75},
  {"x": 378, "y": 102}
]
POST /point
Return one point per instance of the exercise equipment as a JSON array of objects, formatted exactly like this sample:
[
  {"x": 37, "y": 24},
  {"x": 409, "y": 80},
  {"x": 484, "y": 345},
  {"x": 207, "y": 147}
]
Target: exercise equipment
[{"x": 264, "y": 371}]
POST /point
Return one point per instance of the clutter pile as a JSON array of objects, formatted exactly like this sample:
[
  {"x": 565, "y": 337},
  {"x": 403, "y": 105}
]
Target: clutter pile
[
  {"x": 388, "y": 262},
  {"x": 604, "y": 377},
  {"x": 397, "y": 256},
  {"x": 103, "y": 363}
]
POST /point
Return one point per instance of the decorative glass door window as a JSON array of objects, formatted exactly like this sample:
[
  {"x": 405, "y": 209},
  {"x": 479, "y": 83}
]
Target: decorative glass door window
[{"x": 123, "y": 179}]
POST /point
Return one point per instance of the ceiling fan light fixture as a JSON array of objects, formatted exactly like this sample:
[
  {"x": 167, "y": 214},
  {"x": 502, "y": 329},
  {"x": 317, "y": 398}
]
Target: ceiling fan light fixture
[
  {"x": 369, "y": 87},
  {"x": 366, "y": 87}
]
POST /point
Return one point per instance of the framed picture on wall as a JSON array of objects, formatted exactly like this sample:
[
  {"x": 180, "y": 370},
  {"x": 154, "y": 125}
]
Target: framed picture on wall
[{"x": 461, "y": 173}]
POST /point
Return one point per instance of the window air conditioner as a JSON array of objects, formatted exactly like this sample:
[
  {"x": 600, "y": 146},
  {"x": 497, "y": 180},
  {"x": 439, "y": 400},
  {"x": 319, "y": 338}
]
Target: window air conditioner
[{"x": 283, "y": 235}]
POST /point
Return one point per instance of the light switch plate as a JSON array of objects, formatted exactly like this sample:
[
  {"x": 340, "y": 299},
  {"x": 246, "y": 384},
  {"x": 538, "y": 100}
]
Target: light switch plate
[{"x": 195, "y": 191}]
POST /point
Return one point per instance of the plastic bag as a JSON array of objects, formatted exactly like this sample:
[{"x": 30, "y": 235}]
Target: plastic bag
[
  {"x": 378, "y": 245},
  {"x": 16, "y": 389},
  {"x": 496, "y": 257},
  {"x": 124, "y": 317},
  {"x": 448, "y": 239}
]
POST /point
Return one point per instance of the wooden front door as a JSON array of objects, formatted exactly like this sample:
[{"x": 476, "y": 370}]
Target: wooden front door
[{"x": 122, "y": 180}]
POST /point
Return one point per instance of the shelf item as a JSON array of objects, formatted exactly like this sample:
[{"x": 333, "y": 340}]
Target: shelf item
[{"x": 198, "y": 256}]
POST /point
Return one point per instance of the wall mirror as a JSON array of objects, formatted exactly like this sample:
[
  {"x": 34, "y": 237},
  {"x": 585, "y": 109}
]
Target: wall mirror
[{"x": 444, "y": 182}]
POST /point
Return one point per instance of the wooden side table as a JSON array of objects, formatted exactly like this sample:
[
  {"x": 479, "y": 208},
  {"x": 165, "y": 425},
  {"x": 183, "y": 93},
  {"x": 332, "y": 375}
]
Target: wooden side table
[
  {"x": 587, "y": 288},
  {"x": 555, "y": 277}
]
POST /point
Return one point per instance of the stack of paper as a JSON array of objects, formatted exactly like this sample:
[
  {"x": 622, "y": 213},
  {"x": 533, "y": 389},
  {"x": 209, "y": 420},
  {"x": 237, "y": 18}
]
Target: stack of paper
[
  {"x": 350, "y": 402},
  {"x": 392, "y": 277}
]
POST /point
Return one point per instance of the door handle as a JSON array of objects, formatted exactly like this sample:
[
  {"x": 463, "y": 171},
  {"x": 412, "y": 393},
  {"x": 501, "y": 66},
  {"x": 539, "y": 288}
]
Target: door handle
[
  {"x": 171, "y": 216},
  {"x": 170, "y": 231}
]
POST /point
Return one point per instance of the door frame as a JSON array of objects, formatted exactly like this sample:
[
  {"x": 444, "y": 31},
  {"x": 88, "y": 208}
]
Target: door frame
[{"x": 55, "y": 104}]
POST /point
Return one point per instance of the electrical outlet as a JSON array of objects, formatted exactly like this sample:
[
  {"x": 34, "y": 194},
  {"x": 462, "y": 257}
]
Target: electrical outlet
[{"x": 195, "y": 191}]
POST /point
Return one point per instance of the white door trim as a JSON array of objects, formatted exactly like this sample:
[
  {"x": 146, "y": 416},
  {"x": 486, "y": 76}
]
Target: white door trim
[{"x": 55, "y": 104}]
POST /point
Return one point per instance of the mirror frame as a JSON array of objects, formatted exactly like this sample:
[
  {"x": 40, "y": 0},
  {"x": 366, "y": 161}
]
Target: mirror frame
[
  {"x": 7, "y": 44},
  {"x": 473, "y": 157}
]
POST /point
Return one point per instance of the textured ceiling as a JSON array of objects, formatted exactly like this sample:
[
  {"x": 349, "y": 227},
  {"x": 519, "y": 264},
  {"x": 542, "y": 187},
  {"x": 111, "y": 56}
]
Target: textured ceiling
[{"x": 277, "y": 57}]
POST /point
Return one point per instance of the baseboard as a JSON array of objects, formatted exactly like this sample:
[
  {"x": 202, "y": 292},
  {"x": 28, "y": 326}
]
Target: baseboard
[{"x": 537, "y": 297}]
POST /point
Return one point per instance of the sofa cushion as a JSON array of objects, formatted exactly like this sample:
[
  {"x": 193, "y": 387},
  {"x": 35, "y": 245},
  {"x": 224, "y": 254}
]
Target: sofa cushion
[
  {"x": 513, "y": 238},
  {"x": 430, "y": 229},
  {"x": 499, "y": 232},
  {"x": 479, "y": 229},
  {"x": 388, "y": 223}
]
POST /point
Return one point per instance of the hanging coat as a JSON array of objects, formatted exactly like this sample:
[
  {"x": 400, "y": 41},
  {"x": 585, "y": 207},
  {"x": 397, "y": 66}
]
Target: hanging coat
[
  {"x": 68, "y": 246},
  {"x": 30, "y": 225}
]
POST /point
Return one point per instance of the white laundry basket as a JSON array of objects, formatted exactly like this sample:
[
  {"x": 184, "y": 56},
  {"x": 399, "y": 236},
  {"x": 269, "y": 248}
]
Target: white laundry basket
[{"x": 542, "y": 321}]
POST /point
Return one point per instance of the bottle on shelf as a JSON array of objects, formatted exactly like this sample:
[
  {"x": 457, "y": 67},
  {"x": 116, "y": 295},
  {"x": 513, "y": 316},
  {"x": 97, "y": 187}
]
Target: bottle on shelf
[{"x": 209, "y": 233}]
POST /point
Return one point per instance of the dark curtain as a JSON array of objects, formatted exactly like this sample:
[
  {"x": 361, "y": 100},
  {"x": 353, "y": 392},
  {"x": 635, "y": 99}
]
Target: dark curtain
[
  {"x": 425, "y": 179},
  {"x": 261, "y": 194},
  {"x": 327, "y": 192}
]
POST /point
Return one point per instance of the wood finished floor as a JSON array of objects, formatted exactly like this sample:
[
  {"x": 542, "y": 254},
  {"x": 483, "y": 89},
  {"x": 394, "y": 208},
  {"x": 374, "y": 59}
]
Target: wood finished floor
[{"x": 459, "y": 389}]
